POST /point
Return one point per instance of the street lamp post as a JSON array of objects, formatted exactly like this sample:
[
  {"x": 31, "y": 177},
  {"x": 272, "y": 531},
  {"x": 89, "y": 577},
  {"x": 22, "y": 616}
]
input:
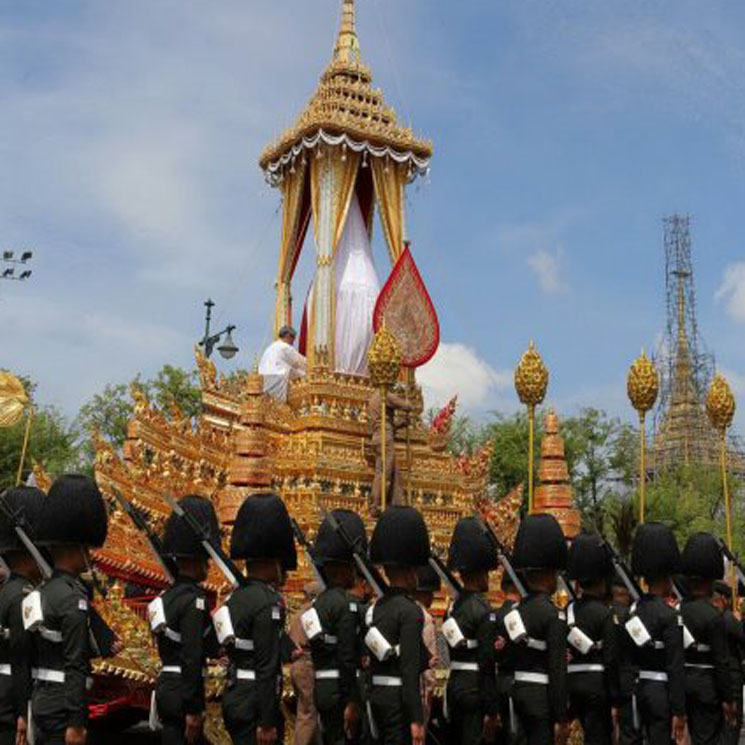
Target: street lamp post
[{"x": 228, "y": 348}]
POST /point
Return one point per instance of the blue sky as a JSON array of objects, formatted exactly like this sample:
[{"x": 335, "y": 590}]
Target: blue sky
[{"x": 564, "y": 131}]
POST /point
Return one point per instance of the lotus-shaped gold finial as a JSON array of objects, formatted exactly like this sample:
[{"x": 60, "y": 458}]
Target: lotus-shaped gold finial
[
  {"x": 643, "y": 384},
  {"x": 720, "y": 403},
  {"x": 384, "y": 358},
  {"x": 531, "y": 378}
]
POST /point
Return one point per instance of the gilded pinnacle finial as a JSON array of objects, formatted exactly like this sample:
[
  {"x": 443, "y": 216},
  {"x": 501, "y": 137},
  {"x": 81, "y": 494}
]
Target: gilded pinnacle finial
[
  {"x": 720, "y": 404},
  {"x": 384, "y": 358},
  {"x": 347, "y": 47},
  {"x": 643, "y": 384},
  {"x": 531, "y": 378}
]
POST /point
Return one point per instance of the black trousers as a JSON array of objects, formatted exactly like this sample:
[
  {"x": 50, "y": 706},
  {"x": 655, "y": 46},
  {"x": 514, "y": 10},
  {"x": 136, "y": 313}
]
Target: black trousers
[
  {"x": 388, "y": 713},
  {"x": 330, "y": 711},
  {"x": 731, "y": 735},
  {"x": 534, "y": 712},
  {"x": 241, "y": 716},
  {"x": 171, "y": 710},
  {"x": 8, "y": 736},
  {"x": 465, "y": 711},
  {"x": 703, "y": 708},
  {"x": 588, "y": 701},
  {"x": 47, "y": 737},
  {"x": 654, "y": 712}
]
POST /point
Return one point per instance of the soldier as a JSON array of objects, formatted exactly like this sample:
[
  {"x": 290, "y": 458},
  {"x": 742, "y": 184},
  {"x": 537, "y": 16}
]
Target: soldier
[
  {"x": 332, "y": 626},
  {"x": 253, "y": 622},
  {"x": 427, "y": 584},
  {"x": 301, "y": 675},
  {"x": 722, "y": 599},
  {"x": 183, "y": 630},
  {"x": 471, "y": 695},
  {"x": 16, "y": 644},
  {"x": 538, "y": 633},
  {"x": 395, "y": 622},
  {"x": 593, "y": 665},
  {"x": 509, "y": 731},
  {"x": 394, "y": 403},
  {"x": 709, "y": 693},
  {"x": 72, "y": 521},
  {"x": 628, "y": 731},
  {"x": 654, "y": 638}
]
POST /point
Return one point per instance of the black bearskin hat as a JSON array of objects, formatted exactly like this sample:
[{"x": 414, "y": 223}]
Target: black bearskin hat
[
  {"x": 655, "y": 552},
  {"x": 702, "y": 557},
  {"x": 540, "y": 544},
  {"x": 427, "y": 579},
  {"x": 178, "y": 537},
  {"x": 74, "y": 512},
  {"x": 26, "y": 501},
  {"x": 263, "y": 530},
  {"x": 400, "y": 538},
  {"x": 471, "y": 549},
  {"x": 589, "y": 559},
  {"x": 330, "y": 546}
]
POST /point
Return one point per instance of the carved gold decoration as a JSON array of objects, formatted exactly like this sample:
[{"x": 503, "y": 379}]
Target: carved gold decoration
[
  {"x": 642, "y": 386},
  {"x": 384, "y": 359},
  {"x": 531, "y": 383},
  {"x": 13, "y": 399}
]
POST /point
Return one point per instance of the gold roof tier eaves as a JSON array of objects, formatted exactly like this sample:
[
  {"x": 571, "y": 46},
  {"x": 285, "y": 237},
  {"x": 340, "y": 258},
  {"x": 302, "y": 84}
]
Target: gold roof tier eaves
[{"x": 346, "y": 103}]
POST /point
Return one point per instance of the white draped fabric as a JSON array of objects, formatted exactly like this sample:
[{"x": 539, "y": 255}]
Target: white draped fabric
[{"x": 357, "y": 289}]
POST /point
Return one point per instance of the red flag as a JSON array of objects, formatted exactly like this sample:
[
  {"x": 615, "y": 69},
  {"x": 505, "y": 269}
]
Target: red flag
[{"x": 404, "y": 305}]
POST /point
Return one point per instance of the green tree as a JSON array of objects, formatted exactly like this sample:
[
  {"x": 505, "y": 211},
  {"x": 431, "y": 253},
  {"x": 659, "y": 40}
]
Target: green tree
[{"x": 174, "y": 385}]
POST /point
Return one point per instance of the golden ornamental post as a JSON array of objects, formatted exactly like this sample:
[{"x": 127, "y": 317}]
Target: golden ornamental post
[
  {"x": 642, "y": 387},
  {"x": 384, "y": 363},
  {"x": 531, "y": 383},
  {"x": 720, "y": 406}
]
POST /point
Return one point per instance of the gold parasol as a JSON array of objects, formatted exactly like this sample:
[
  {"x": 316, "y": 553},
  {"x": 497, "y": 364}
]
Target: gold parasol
[{"x": 13, "y": 402}]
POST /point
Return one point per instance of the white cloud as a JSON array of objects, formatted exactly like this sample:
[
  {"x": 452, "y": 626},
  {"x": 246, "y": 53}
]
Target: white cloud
[
  {"x": 457, "y": 369},
  {"x": 547, "y": 267},
  {"x": 732, "y": 291}
]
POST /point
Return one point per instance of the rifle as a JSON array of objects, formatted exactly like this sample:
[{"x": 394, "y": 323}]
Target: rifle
[
  {"x": 623, "y": 571},
  {"x": 302, "y": 539},
  {"x": 102, "y": 637},
  {"x": 453, "y": 584},
  {"x": 733, "y": 559},
  {"x": 502, "y": 554},
  {"x": 366, "y": 569},
  {"x": 156, "y": 545},
  {"x": 211, "y": 546}
]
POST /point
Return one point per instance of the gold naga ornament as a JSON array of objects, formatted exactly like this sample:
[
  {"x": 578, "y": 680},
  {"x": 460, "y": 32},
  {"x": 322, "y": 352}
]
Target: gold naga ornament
[
  {"x": 384, "y": 364},
  {"x": 13, "y": 402},
  {"x": 720, "y": 406},
  {"x": 531, "y": 383},
  {"x": 642, "y": 387}
]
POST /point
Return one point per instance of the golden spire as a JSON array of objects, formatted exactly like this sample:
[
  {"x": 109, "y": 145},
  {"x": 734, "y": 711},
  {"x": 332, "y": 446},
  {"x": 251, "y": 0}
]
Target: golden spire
[{"x": 347, "y": 49}]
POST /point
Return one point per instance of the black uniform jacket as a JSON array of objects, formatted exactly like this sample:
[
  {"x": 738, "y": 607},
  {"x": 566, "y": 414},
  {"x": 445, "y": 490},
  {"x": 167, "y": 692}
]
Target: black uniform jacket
[
  {"x": 544, "y": 623},
  {"x": 505, "y": 653},
  {"x": 187, "y": 615},
  {"x": 596, "y": 620},
  {"x": 707, "y": 626},
  {"x": 338, "y": 647},
  {"x": 257, "y": 612},
  {"x": 476, "y": 620},
  {"x": 665, "y": 653},
  {"x": 63, "y": 644},
  {"x": 16, "y": 649},
  {"x": 401, "y": 621}
]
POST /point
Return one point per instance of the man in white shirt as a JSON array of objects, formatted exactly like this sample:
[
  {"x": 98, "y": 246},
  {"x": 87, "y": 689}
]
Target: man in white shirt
[{"x": 281, "y": 363}]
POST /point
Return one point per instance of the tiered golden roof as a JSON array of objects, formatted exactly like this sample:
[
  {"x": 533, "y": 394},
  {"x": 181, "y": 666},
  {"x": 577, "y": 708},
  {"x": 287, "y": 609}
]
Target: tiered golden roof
[
  {"x": 345, "y": 103},
  {"x": 554, "y": 494}
]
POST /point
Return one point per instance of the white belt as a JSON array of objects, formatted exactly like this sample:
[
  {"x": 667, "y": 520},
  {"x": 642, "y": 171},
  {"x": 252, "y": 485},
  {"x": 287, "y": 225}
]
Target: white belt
[
  {"x": 472, "y": 667},
  {"x": 174, "y": 636},
  {"x": 245, "y": 674},
  {"x": 50, "y": 635},
  {"x": 472, "y": 643},
  {"x": 524, "y": 677},
  {"x": 653, "y": 675},
  {"x": 583, "y": 667},
  {"x": 175, "y": 669},
  {"x": 700, "y": 665},
  {"x": 244, "y": 644},
  {"x": 702, "y": 647},
  {"x": 389, "y": 681},
  {"x": 536, "y": 644},
  {"x": 5, "y": 669},
  {"x": 327, "y": 674},
  {"x": 659, "y": 645},
  {"x": 330, "y": 639},
  {"x": 50, "y": 676}
]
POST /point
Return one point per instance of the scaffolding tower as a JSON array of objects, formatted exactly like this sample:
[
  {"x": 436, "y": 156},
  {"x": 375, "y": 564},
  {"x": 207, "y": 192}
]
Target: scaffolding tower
[{"x": 682, "y": 432}]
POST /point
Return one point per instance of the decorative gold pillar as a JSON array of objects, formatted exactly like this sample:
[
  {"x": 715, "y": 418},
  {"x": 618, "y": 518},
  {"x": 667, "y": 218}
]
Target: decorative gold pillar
[
  {"x": 642, "y": 387},
  {"x": 531, "y": 383},
  {"x": 554, "y": 493}
]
